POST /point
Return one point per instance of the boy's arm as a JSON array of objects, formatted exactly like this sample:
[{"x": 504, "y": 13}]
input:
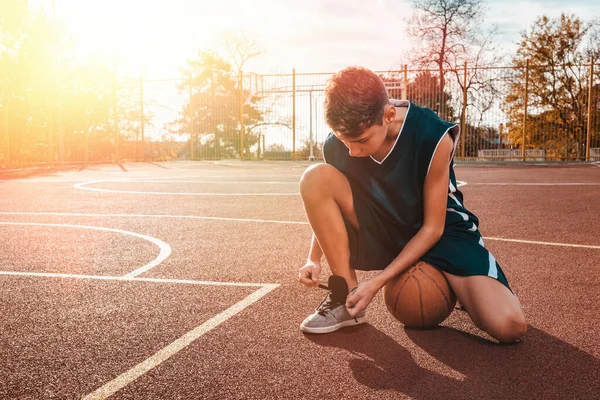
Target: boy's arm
[
  {"x": 315, "y": 253},
  {"x": 309, "y": 273},
  {"x": 435, "y": 203}
]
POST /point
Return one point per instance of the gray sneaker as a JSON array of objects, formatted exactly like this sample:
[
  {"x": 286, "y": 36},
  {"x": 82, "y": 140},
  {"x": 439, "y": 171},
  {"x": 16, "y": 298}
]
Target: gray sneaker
[{"x": 332, "y": 314}]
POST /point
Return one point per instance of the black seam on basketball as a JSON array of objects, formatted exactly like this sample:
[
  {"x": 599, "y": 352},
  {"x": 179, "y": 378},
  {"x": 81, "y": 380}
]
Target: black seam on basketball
[
  {"x": 400, "y": 291},
  {"x": 438, "y": 286},
  {"x": 420, "y": 302}
]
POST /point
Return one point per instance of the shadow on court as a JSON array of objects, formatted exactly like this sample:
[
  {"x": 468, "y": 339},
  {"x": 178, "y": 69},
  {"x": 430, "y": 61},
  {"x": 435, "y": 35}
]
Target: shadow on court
[
  {"x": 34, "y": 172},
  {"x": 542, "y": 367}
]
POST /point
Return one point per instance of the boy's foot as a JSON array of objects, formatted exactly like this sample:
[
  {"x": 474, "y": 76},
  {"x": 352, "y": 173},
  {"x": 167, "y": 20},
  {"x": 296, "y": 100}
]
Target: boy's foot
[{"x": 332, "y": 314}]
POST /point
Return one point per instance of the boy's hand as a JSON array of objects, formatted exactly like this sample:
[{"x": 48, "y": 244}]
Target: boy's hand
[
  {"x": 309, "y": 274},
  {"x": 360, "y": 297}
]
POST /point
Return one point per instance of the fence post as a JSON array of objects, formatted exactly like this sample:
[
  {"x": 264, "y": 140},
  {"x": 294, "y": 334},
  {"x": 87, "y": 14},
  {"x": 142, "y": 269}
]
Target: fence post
[
  {"x": 116, "y": 136},
  {"x": 405, "y": 83},
  {"x": 293, "y": 113},
  {"x": 213, "y": 118},
  {"x": 142, "y": 116},
  {"x": 48, "y": 130},
  {"x": 191, "y": 117},
  {"x": 311, "y": 156},
  {"x": 463, "y": 127},
  {"x": 242, "y": 127},
  {"x": 525, "y": 108},
  {"x": 589, "y": 116},
  {"x": 7, "y": 154},
  {"x": 61, "y": 132},
  {"x": 86, "y": 148}
]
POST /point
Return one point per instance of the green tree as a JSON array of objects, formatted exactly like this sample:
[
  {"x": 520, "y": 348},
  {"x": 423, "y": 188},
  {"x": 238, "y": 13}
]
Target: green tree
[
  {"x": 213, "y": 111},
  {"x": 303, "y": 152},
  {"x": 558, "y": 51},
  {"x": 45, "y": 89}
]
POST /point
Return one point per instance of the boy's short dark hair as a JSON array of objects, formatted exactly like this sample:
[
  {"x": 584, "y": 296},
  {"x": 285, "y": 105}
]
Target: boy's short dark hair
[{"x": 355, "y": 99}]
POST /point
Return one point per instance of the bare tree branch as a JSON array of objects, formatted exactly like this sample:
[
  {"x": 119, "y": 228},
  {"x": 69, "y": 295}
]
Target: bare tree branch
[{"x": 241, "y": 48}]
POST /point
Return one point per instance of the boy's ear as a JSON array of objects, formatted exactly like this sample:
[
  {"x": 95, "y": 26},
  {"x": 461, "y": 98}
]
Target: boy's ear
[{"x": 390, "y": 114}]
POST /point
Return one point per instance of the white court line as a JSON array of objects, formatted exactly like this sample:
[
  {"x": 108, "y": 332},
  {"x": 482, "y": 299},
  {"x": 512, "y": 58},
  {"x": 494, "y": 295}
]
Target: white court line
[
  {"x": 585, "y": 246},
  {"x": 165, "y": 249},
  {"x": 41, "y": 180},
  {"x": 462, "y": 183},
  {"x": 145, "y": 180},
  {"x": 83, "y": 187},
  {"x": 174, "y": 347},
  {"x": 537, "y": 184},
  {"x": 220, "y": 182},
  {"x": 142, "y": 179},
  {"x": 130, "y": 279},
  {"x": 179, "y": 344},
  {"x": 272, "y": 221},
  {"x": 222, "y": 176}
]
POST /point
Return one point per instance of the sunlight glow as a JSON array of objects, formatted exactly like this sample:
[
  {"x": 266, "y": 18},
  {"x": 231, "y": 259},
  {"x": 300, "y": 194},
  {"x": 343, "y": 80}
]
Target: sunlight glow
[{"x": 154, "y": 36}]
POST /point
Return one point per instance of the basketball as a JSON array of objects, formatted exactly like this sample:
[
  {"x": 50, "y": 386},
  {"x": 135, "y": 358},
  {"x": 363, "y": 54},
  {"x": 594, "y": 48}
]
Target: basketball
[{"x": 420, "y": 297}]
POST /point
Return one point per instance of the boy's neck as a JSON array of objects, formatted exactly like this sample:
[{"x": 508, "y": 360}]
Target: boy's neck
[
  {"x": 393, "y": 131},
  {"x": 394, "y": 128}
]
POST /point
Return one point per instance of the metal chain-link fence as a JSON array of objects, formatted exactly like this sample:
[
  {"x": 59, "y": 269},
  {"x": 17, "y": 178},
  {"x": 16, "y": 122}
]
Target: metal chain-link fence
[{"x": 551, "y": 112}]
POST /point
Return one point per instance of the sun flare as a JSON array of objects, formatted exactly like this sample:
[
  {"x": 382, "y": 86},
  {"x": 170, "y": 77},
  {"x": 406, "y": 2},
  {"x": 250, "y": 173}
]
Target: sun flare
[{"x": 153, "y": 37}]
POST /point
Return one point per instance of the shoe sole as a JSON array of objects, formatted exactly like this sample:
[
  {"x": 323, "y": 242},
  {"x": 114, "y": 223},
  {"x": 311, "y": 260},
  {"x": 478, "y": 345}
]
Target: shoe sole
[{"x": 333, "y": 328}]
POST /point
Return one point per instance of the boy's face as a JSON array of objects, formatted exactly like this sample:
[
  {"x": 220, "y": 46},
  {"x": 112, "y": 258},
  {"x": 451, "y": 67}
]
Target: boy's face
[{"x": 371, "y": 139}]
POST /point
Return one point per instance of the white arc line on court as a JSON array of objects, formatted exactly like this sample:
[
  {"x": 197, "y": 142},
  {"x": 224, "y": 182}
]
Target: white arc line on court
[
  {"x": 83, "y": 186},
  {"x": 165, "y": 249},
  {"x": 179, "y": 344},
  {"x": 584, "y": 246}
]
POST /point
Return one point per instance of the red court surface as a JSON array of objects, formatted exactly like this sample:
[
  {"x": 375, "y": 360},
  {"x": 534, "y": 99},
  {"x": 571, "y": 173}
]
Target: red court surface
[{"x": 178, "y": 280}]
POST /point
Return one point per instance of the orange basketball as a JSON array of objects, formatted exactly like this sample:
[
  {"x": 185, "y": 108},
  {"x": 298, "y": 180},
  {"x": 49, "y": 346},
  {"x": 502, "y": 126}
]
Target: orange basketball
[{"x": 420, "y": 297}]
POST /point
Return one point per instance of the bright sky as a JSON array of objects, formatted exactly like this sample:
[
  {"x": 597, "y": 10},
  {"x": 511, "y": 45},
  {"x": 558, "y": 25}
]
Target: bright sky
[{"x": 309, "y": 35}]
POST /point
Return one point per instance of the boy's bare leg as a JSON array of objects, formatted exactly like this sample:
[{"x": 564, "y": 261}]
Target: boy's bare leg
[
  {"x": 491, "y": 306},
  {"x": 327, "y": 199}
]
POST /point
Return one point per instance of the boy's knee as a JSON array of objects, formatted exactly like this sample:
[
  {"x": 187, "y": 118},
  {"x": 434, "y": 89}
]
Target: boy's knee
[
  {"x": 510, "y": 328},
  {"x": 315, "y": 179}
]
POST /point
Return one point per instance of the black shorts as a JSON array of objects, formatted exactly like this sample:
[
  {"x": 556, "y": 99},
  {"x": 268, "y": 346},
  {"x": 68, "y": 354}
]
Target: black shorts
[{"x": 460, "y": 251}]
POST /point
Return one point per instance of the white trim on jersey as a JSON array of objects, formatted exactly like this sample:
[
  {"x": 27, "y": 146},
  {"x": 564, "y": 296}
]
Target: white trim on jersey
[
  {"x": 473, "y": 228},
  {"x": 396, "y": 103},
  {"x": 464, "y": 216},
  {"x": 452, "y": 188},
  {"x": 454, "y": 138},
  {"x": 453, "y": 197},
  {"x": 493, "y": 271}
]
